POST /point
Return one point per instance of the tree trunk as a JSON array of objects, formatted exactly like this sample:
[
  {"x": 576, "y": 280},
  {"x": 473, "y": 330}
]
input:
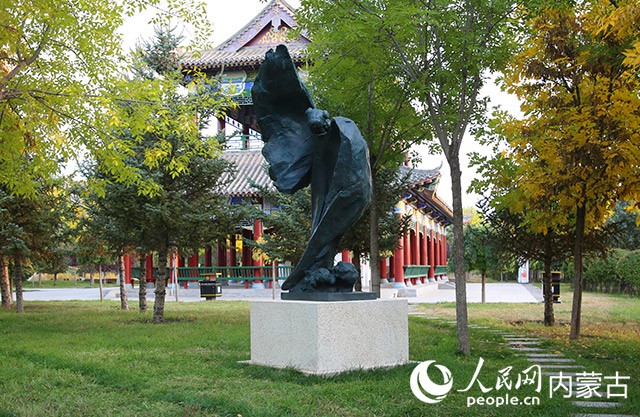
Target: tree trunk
[
  {"x": 17, "y": 279},
  {"x": 356, "y": 263},
  {"x": 55, "y": 279},
  {"x": 484, "y": 285},
  {"x": 5, "y": 286},
  {"x": 142, "y": 291},
  {"x": 374, "y": 245},
  {"x": 161, "y": 287},
  {"x": 458, "y": 256},
  {"x": 91, "y": 280},
  {"x": 124, "y": 303},
  {"x": 549, "y": 319},
  {"x": 100, "y": 282},
  {"x": 576, "y": 309}
]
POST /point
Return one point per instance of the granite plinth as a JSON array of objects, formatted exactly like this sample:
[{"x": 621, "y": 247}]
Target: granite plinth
[
  {"x": 328, "y": 296},
  {"x": 328, "y": 338}
]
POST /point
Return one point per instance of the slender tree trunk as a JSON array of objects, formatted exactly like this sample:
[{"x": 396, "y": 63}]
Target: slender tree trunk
[
  {"x": 374, "y": 245},
  {"x": 549, "y": 319},
  {"x": 161, "y": 287},
  {"x": 124, "y": 303},
  {"x": 55, "y": 279},
  {"x": 356, "y": 262},
  {"x": 484, "y": 285},
  {"x": 5, "y": 286},
  {"x": 142, "y": 291},
  {"x": 91, "y": 280},
  {"x": 458, "y": 256},
  {"x": 576, "y": 310},
  {"x": 17, "y": 279},
  {"x": 100, "y": 273}
]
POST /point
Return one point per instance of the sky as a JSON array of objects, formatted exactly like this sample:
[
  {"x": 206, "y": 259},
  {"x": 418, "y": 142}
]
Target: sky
[{"x": 227, "y": 17}]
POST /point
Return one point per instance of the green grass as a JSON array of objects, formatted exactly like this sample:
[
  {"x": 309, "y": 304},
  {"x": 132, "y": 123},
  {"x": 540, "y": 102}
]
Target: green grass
[{"x": 92, "y": 359}]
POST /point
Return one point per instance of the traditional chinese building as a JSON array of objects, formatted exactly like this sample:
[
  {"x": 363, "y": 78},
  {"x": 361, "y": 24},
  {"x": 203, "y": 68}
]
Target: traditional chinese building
[{"x": 421, "y": 254}]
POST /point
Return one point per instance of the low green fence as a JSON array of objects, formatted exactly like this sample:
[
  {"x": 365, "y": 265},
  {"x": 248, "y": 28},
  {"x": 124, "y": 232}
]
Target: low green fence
[{"x": 223, "y": 273}]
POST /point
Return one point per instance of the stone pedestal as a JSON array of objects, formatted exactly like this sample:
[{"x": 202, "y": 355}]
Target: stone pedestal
[{"x": 326, "y": 338}]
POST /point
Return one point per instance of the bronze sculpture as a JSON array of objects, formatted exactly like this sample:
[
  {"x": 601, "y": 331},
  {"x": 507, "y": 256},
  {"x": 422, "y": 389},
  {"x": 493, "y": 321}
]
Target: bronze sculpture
[{"x": 304, "y": 146}]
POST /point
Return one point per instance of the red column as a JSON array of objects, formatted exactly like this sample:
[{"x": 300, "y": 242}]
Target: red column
[
  {"x": 415, "y": 252},
  {"x": 128, "y": 279},
  {"x": 423, "y": 253},
  {"x": 193, "y": 263},
  {"x": 208, "y": 256},
  {"x": 445, "y": 255},
  {"x": 398, "y": 258},
  {"x": 148, "y": 263},
  {"x": 346, "y": 255},
  {"x": 406, "y": 245},
  {"x": 232, "y": 250},
  {"x": 391, "y": 263},
  {"x": 438, "y": 248},
  {"x": 257, "y": 234},
  {"x": 432, "y": 258},
  {"x": 245, "y": 136},
  {"x": 222, "y": 255},
  {"x": 383, "y": 270}
]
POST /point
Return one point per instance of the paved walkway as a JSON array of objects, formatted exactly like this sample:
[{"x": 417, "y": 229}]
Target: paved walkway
[{"x": 496, "y": 293}]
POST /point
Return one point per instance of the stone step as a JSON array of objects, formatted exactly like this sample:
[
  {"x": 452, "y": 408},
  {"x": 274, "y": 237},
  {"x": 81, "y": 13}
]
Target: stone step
[
  {"x": 552, "y": 366},
  {"x": 541, "y": 355},
  {"x": 595, "y": 404},
  {"x": 564, "y": 373},
  {"x": 527, "y": 349},
  {"x": 523, "y": 339},
  {"x": 602, "y": 415},
  {"x": 550, "y": 360},
  {"x": 523, "y": 342}
]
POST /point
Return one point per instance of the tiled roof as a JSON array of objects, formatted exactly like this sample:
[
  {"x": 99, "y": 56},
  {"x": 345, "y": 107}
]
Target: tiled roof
[
  {"x": 249, "y": 165},
  {"x": 240, "y": 49},
  {"x": 247, "y": 56},
  {"x": 418, "y": 177}
]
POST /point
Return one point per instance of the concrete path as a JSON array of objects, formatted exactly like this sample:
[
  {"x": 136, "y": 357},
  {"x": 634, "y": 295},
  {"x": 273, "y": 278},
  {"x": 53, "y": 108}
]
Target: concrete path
[
  {"x": 496, "y": 293},
  {"x": 499, "y": 292}
]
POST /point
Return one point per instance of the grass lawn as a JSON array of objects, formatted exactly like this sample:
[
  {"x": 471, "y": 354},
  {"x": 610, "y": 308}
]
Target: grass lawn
[{"x": 91, "y": 359}]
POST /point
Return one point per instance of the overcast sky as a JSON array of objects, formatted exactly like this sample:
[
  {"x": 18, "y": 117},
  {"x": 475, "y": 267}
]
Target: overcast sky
[{"x": 227, "y": 17}]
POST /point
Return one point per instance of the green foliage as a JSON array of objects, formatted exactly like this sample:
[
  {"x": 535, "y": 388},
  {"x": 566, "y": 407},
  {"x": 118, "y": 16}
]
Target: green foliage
[
  {"x": 625, "y": 223},
  {"x": 619, "y": 271},
  {"x": 628, "y": 270},
  {"x": 287, "y": 225},
  {"x": 62, "y": 89},
  {"x": 35, "y": 230}
]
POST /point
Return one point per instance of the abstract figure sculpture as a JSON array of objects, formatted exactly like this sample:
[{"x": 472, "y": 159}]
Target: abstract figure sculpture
[{"x": 304, "y": 146}]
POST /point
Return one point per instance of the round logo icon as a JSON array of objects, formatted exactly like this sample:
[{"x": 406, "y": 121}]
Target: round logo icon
[{"x": 420, "y": 381}]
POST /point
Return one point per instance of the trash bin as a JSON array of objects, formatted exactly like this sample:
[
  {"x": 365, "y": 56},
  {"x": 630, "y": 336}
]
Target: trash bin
[
  {"x": 556, "y": 277},
  {"x": 210, "y": 289}
]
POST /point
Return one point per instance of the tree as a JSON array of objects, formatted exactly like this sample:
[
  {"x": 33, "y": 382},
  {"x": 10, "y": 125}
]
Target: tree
[
  {"x": 29, "y": 228},
  {"x": 480, "y": 252},
  {"x": 61, "y": 84},
  {"x": 351, "y": 77},
  {"x": 182, "y": 209},
  {"x": 578, "y": 144},
  {"x": 439, "y": 52}
]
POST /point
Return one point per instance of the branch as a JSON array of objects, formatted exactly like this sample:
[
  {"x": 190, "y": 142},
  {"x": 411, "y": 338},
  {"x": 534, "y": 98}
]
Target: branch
[{"x": 26, "y": 62}]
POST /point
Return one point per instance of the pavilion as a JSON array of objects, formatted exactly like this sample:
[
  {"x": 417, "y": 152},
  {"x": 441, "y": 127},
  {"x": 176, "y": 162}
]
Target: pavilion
[{"x": 421, "y": 254}]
